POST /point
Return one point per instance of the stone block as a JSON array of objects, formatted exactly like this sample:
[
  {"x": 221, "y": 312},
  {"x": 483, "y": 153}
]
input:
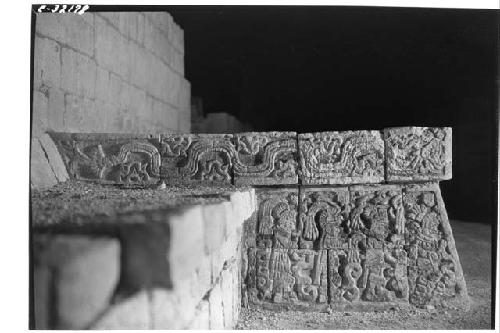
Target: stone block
[
  {"x": 216, "y": 309},
  {"x": 276, "y": 221},
  {"x": 39, "y": 115},
  {"x": 73, "y": 30},
  {"x": 54, "y": 158},
  {"x": 132, "y": 313},
  {"x": 107, "y": 44},
  {"x": 434, "y": 272},
  {"x": 418, "y": 153},
  {"x": 214, "y": 226},
  {"x": 110, "y": 158},
  {"x": 202, "y": 317},
  {"x": 266, "y": 158},
  {"x": 41, "y": 175},
  {"x": 85, "y": 274},
  {"x": 78, "y": 73},
  {"x": 323, "y": 215},
  {"x": 196, "y": 159},
  {"x": 289, "y": 278},
  {"x": 172, "y": 309},
  {"x": 141, "y": 26},
  {"x": 228, "y": 289},
  {"x": 56, "y": 109},
  {"x": 350, "y": 157},
  {"x": 47, "y": 64}
]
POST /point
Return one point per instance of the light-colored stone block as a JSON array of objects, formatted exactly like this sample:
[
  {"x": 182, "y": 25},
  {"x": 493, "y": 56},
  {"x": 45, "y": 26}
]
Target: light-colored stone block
[
  {"x": 214, "y": 219},
  {"x": 56, "y": 109},
  {"x": 73, "y": 30},
  {"x": 78, "y": 74},
  {"x": 86, "y": 273},
  {"x": 40, "y": 111},
  {"x": 42, "y": 175},
  {"x": 216, "y": 308},
  {"x": 132, "y": 313},
  {"x": 55, "y": 161},
  {"x": 228, "y": 289},
  {"x": 202, "y": 317},
  {"x": 47, "y": 63}
]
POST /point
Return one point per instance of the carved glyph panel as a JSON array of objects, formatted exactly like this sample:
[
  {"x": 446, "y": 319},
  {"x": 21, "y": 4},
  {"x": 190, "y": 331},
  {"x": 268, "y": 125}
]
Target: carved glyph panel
[
  {"x": 110, "y": 158},
  {"x": 276, "y": 220},
  {"x": 418, "y": 153},
  {"x": 350, "y": 157},
  {"x": 196, "y": 159},
  {"x": 265, "y": 158},
  {"x": 323, "y": 217},
  {"x": 434, "y": 270},
  {"x": 288, "y": 277}
]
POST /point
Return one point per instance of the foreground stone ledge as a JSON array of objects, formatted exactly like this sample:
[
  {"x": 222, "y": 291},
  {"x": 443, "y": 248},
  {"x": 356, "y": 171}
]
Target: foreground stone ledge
[
  {"x": 75, "y": 277},
  {"x": 265, "y": 158},
  {"x": 197, "y": 158},
  {"x": 418, "y": 153},
  {"x": 351, "y": 157},
  {"x": 110, "y": 158}
]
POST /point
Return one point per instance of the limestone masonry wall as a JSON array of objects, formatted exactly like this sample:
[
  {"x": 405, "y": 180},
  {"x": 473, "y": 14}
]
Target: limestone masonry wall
[
  {"x": 168, "y": 268},
  {"x": 114, "y": 72}
]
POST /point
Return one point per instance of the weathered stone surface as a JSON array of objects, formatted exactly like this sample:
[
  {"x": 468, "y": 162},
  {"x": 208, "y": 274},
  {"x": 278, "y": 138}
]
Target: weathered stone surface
[
  {"x": 323, "y": 216},
  {"x": 265, "y": 158},
  {"x": 216, "y": 309},
  {"x": 418, "y": 153},
  {"x": 371, "y": 265},
  {"x": 132, "y": 313},
  {"x": 434, "y": 271},
  {"x": 350, "y": 157},
  {"x": 275, "y": 223},
  {"x": 84, "y": 272},
  {"x": 289, "y": 278},
  {"x": 203, "y": 158},
  {"x": 110, "y": 158}
]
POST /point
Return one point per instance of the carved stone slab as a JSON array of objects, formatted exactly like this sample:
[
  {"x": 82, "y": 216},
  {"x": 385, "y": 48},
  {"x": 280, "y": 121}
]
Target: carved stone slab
[
  {"x": 372, "y": 267},
  {"x": 351, "y": 157},
  {"x": 110, "y": 158},
  {"x": 434, "y": 271},
  {"x": 418, "y": 153},
  {"x": 265, "y": 158},
  {"x": 196, "y": 158},
  {"x": 324, "y": 213},
  {"x": 288, "y": 278},
  {"x": 276, "y": 220}
]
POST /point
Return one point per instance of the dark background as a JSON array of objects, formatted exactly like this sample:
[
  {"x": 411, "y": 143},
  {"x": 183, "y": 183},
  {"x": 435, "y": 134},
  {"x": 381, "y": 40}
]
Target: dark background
[{"x": 311, "y": 69}]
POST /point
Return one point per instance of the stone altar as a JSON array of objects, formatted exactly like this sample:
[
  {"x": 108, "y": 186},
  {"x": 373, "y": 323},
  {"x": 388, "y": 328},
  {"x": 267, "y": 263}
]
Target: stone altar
[{"x": 345, "y": 220}]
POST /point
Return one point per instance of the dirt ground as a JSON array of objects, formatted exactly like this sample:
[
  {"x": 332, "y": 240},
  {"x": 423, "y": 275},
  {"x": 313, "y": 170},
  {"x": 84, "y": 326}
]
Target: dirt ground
[{"x": 473, "y": 241}]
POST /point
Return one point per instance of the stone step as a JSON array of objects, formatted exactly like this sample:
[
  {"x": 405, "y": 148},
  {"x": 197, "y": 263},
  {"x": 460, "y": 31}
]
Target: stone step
[{"x": 141, "y": 269}]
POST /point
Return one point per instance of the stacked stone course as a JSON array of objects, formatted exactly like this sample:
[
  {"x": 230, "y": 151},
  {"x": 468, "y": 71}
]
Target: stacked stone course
[{"x": 348, "y": 220}]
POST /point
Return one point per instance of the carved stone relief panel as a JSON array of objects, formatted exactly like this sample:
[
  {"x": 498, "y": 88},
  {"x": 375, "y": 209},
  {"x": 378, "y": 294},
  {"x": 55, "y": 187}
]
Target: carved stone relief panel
[
  {"x": 110, "y": 158},
  {"x": 351, "y": 157},
  {"x": 276, "y": 220},
  {"x": 434, "y": 271},
  {"x": 265, "y": 158},
  {"x": 418, "y": 153},
  {"x": 289, "y": 277},
  {"x": 371, "y": 267},
  {"x": 323, "y": 217},
  {"x": 196, "y": 159}
]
